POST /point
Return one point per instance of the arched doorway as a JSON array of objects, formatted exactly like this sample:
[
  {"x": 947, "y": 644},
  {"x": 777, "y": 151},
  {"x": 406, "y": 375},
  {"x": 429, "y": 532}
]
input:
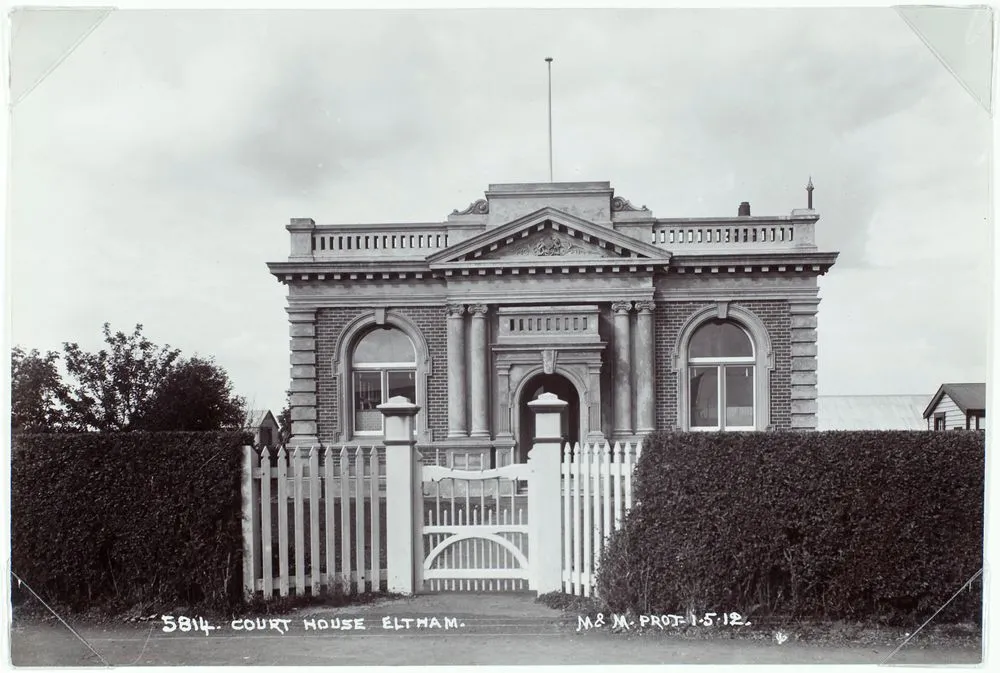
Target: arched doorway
[{"x": 564, "y": 389}]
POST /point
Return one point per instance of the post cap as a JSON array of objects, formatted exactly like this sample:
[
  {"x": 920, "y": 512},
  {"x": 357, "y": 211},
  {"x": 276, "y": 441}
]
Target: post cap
[
  {"x": 301, "y": 223},
  {"x": 547, "y": 402},
  {"x": 398, "y": 406}
]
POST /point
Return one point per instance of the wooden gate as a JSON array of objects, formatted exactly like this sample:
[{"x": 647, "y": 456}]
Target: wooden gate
[{"x": 474, "y": 529}]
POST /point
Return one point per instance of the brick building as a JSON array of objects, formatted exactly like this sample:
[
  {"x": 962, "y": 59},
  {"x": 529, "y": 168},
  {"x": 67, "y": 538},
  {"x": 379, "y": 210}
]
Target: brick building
[{"x": 639, "y": 322}]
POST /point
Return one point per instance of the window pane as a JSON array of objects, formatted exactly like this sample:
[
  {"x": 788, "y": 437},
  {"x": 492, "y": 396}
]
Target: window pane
[
  {"x": 739, "y": 396},
  {"x": 402, "y": 384},
  {"x": 384, "y": 345},
  {"x": 704, "y": 397},
  {"x": 720, "y": 338},
  {"x": 367, "y": 397}
]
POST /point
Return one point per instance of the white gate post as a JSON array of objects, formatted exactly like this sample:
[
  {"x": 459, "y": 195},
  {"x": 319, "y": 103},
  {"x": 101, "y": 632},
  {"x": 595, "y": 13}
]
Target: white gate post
[
  {"x": 545, "y": 534},
  {"x": 402, "y": 492}
]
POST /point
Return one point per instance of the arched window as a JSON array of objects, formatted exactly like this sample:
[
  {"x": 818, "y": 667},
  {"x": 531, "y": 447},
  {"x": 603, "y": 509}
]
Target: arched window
[
  {"x": 384, "y": 365},
  {"x": 721, "y": 372}
]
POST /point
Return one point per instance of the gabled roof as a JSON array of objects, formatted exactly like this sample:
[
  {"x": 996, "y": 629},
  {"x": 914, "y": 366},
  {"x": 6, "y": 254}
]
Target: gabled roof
[
  {"x": 968, "y": 397},
  {"x": 256, "y": 417},
  {"x": 870, "y": 412},
  {"x": 570, "y": 235}
]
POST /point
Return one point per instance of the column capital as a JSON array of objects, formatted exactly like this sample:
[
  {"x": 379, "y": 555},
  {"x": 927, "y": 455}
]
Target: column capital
[
  {"x": 645, "y": 306},
  {"x": 621, "y": 307},
  {"x": 478, "y": 310},
  {"x": 455, "y": 310}
]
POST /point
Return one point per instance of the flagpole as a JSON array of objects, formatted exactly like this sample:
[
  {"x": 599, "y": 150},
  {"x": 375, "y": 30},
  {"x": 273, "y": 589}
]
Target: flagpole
[{"x": 549, "y": 61}]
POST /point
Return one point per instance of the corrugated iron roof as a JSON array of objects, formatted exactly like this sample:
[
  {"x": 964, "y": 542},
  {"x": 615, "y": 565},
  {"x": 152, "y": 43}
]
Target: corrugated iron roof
[{"x": 870, "y": 412}]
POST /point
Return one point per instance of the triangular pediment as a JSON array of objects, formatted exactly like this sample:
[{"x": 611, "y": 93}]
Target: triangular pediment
[
  {"x": 549, "y": 242},
  {"x": 545, "y": 234}
]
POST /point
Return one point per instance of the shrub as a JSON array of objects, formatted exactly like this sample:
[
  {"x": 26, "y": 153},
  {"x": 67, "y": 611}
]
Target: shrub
[
  {"x": 882, "y": 526},
  {"x": 109, "y": 520}
]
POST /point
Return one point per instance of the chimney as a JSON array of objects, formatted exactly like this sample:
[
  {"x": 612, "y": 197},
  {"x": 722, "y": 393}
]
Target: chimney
[{"x": 744, "y": 209}]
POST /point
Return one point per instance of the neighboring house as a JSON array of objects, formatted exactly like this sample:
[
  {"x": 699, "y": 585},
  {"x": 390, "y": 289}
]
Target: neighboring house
[
  {"x": 637, "y": 322},
  {"x": 870, "y": 412},
  {"x": 957, "y": 406},
  {"x": 264, "y": 426}
]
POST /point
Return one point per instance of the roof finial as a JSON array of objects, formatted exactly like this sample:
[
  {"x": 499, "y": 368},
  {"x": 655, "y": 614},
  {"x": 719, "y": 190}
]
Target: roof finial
[{"x": 809, "y": 190}]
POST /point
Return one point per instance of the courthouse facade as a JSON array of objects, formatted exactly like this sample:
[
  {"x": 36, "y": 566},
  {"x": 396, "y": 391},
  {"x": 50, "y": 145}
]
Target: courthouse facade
[{"x": 638, "y": 322}]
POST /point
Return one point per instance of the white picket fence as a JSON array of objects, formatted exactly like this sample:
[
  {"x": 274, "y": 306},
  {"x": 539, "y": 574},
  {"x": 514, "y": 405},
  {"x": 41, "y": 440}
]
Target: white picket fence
[
  {"x": 314, "y": 520},
  {"x": 596, "y": 495},
  {"x": 319, "y": 518}
]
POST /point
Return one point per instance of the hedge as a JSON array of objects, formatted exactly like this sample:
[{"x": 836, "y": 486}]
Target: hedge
[
  {"x": 871, "y": 526},
  {"x": 115, "y": 520}
]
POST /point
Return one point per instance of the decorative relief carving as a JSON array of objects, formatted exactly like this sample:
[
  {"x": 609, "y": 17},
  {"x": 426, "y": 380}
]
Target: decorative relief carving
[
  {"x": 455, "y": 310},
  {"x": 549, "y": 360},
  {"x": 621, "y": 307},
  {"x": 478, "y": 310},
  {"x": 480, "y": 207},
  {"x": 549, "y": 246},
  {"x": 619, "y": 204},
  {"x": 645, "y": 306}
]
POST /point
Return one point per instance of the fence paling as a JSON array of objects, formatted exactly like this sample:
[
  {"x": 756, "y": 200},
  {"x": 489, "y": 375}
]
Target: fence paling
[
  {"x": 265, "y": 523},
  {"x": 303, "y": 482},
  {"x": 283, "y": 522},
  {"x": 331, "y": 560},
  {"x": 345, "y": 519},
  {"x": 359, "y": 513},
  {"x": 300, "y": 552},
  {"x": 595, "y": 479}
]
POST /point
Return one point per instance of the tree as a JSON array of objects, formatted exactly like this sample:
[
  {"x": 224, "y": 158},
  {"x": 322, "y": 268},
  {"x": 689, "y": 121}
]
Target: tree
[
  {"x": 35, "y": 391},
  {"x": 113, "y": 388},
  {"x": 285, "y": 421},
  {"x": 195, "y": 396}
]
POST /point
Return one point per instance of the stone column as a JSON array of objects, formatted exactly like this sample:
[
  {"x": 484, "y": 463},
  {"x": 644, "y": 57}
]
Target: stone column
[
  {"x": 458, "y": 421},
  {"x": 478, "y": 372},
  {"x": 622, "y": 387},
  {"x": 302, "y": 328},
  {"x": 645, "y": 369},
  {"x": 803, "y": 344},
  {"x": 404, "y": 496}
]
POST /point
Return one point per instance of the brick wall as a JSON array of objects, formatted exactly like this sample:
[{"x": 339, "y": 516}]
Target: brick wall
[
  {"x": 671, "y": 316},
  {"x": 330, "y": 324}
]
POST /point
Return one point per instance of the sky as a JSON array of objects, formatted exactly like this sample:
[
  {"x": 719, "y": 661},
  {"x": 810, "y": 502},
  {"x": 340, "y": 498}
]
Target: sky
[{"x": 154, "y": 169}]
